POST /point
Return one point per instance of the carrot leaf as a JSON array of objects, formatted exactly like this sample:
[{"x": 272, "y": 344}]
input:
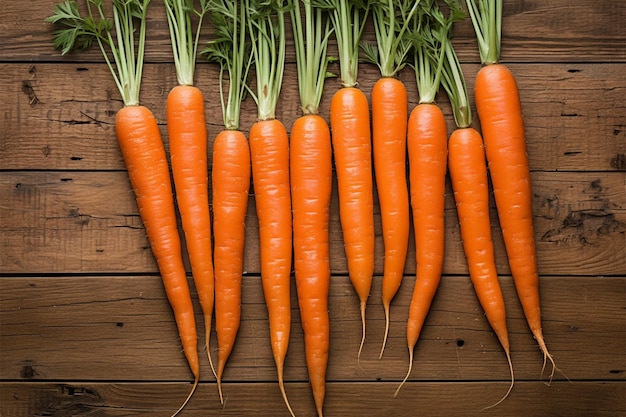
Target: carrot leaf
[
  {"x": 391, "y": 20},
  {"x": 230, "y": 48},
  {"x": 311, "y": 35},
  {"x": 266, "y": 24},
  {"x": 121, "y": 38},
  {"x": 486, "y": 17},
  {"x": 453, "y": 80},
  {"x": 348, "y": 18},
  {"x": 184, "y": 41}
]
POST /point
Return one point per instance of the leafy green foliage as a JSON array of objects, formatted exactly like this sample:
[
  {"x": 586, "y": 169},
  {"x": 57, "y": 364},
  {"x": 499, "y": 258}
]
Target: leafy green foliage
[
  {"x": 79, "y": 32},
  {"x": 118, "y": 37},
  {"x": 230, "y": 48}
]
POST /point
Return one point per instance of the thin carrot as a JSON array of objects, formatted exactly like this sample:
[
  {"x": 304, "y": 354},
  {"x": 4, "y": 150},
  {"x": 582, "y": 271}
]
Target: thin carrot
[
  {"x": 269, "y": 151},
  {"x": 140, "y": 143},
  {"x": 352, "y": 147},
  {"x": 427, "y": 148},
  {"x": 389, "y": 131},
  {"x": 468, "y": 172},
  {"x": 230, "y": 174},
  {"x": 186, "y": 127},
  {"x": 311, "y": 186},
  {"x": 502, "y": 123}
]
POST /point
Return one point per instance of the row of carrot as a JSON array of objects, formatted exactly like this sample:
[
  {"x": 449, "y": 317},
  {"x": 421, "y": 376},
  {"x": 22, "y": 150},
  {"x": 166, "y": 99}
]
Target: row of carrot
[{"x": 292, "y": 173}]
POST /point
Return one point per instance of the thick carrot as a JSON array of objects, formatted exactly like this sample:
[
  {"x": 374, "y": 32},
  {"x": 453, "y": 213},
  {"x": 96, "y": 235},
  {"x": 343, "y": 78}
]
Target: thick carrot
[
  {"x": 350, "y": 127},
  {"x": 389, "y": 129},
  {"x": 352, "y": 148},
  {"x": 502, "y": 123},
  {"x": 230, "y": 186},
  {"x": 269, "y": 152},
  {"x": 427, "y": 144},
  {"x": 230, "y": 174},
  {"x": 468, "y": 172},
  {"x": 140, "y": 143},
  {"x": 389, "y": 126},
  {"x": 188, "y": 152},
  {"x": 186, "y": 127},
  {"x": 427, "y": 148},
  {"x": 311, "y": 185}
]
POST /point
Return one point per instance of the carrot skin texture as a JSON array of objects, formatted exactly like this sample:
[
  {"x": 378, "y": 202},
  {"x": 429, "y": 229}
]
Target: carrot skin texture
[
  {"x": 389, "y": 138},
  {"x": 311, "y": 185},
  {"x": 502, "y": 124},
  {"x": 427, "y": 145},
  {"x": 188, "y": 151},
  {"x": 144, "y": 155},
  {"x": 269, "y": 150},
  {"x": 352, "y": 148},
  {"x": 230, "y": 188},
  {"x": 468, "y": 172}
]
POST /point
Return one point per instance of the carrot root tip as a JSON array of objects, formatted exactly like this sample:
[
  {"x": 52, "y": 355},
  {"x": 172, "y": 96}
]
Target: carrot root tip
[
  {"x": 382, "y": 349},
  {"x": 193, "y": 389},
  {"x": 408, "y": 373},
  {"x": 508, "y": 357}
]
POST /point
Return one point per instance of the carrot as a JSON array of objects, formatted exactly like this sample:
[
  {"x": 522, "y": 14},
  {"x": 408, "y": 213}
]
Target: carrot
[
  {"x": 389, "y": 130},
  {"x": 499, "y": 110},
  {"x": 311, "y": 186},
  {"x": 186, "y": 127},
  {"x": 352, "y": 147},
  {"x": 427, "y": 148},
  {"x": 140, "y": 143},
  {"x": 468, "y": 172},
  {"x": 269, "y": 151},
  {"x": 230, "y": 174}
]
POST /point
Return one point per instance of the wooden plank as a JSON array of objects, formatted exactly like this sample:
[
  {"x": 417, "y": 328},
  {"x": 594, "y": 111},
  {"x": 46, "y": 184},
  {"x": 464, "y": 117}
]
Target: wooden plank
[
  {"x": 88, "y": 222},
  {"x": 108, "y": 328},
  {"x": 579, "y": 399},
  {"x": 532, "y": 31},
  {"x": 61, "y": 116}
]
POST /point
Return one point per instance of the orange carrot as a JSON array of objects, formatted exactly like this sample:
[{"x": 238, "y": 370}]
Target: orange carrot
[
  {"x": 230, "y": 174},
  {"x": 230, "y": 185},
  {"x": 140, "y": 143},
  {"x": 269, "y": 152},
  {"x": 352, "y": 147},
  {"x": 186, "y": 127},
  {"x": 389, "y": 130},
  {"x": 389, "y": 126},
  {"x": 427, "y": 148},
  {"x": 468, "y": 172},
  {"x": 311, "y": 186},
  {"x": 499, "y": 110}
]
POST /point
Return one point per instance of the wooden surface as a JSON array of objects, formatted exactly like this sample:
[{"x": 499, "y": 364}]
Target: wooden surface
[{"x": 85, "y": 328}]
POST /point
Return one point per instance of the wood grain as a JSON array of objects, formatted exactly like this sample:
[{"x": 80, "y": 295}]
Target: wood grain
[
  {"x": 429, "y": 399},
  {"x": 43, "y": 129},
  {"x": 85, "y": 328},
  {"x": 75, "y": 221},
  {"x": 121, "y": 329}
]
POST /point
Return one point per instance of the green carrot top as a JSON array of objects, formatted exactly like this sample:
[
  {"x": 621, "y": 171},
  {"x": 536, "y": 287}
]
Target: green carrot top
[
  {"x": 486, "y": 17},
  {"x": 117, "y": 36},
  {"x": 311, "y": 35},
  {"x": 348, "y": 18},
  {"x": 266, "y": 24},
  {"x": 231, "y": 50},
  {"x": 184, "y": 41},
  {"x": 392, "y": 19},
  {"x": 453, "y": 80}
]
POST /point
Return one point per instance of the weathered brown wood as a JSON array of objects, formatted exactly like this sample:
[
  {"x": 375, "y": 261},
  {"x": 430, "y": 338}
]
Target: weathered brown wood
[
  {"x": 532, "y": 31},
  {"x": 88, "y": 222},
  {"x": 121, "y": 329},
  {"x": 428, "y": 399},
  {"x": 61, "y": 116}
]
